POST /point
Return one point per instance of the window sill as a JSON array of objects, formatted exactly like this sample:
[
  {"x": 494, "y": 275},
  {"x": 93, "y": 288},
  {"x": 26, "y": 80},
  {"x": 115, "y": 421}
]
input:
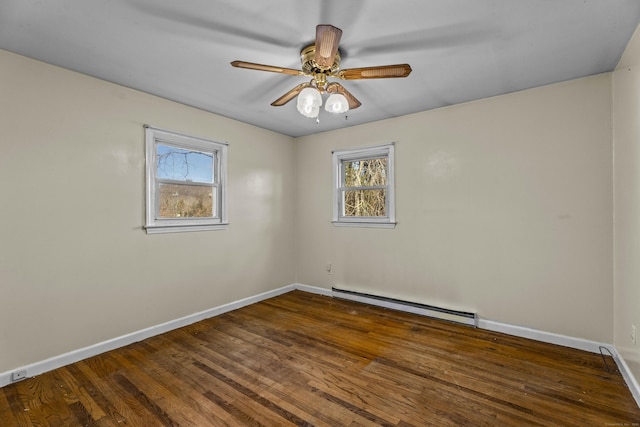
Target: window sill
[
  {"x": 364, "y": 224},
  {"x": 159, "y": 229}
]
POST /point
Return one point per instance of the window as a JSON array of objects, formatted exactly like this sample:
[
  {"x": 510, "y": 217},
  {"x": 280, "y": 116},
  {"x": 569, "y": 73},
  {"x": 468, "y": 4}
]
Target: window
[
  {"x": 364, "y": 189},
  {"x": 186, "y": 182}
]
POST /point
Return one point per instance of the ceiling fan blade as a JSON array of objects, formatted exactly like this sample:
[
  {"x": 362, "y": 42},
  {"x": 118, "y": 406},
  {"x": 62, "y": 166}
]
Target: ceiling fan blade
[
  {"x": 338, "y": 88},
  {"x": 380, "y": 72},
  {"x": 327, "y": 41},
  {"x": 290, "y": 95},
  {"x": 271, "y": 68}
]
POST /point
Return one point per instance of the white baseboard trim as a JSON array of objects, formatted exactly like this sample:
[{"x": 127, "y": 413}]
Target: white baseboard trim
[
  {"x": 548, "y": 337},
  {"x": 93, "y": 350},
  {"x": 313, "y": 289}
]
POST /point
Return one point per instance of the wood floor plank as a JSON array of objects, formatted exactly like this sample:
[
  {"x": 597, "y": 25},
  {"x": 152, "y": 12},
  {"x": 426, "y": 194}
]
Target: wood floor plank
[
  {"x": 41, "y": 401},
  {"x": 75, "y": 393},
  {"x": 119, "y": 403},
  {"x": 275, "y": 383},
  {"x": 271, "y": 356},
  {"x": 155, "y": 394},
  {"x": 100, "y": 407},
  {"x": 7, "y": 412},
  {"x": 155, "y": 373},
  {"x": 302, "y": 359},
  {"x": 252, "y": 386},
  {"x": 194, "y": 382},
  {"x": 221, "y": 390}
]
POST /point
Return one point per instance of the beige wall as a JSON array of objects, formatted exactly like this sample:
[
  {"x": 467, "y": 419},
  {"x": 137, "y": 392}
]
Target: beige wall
[
  {"x": 626, "y": 113},
  {"x": 504, "y": 207},
  {"x": 76, "y": 268}
]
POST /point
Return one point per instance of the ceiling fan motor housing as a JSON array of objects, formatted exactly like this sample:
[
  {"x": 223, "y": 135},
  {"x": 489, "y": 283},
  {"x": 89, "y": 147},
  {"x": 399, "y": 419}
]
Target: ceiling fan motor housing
[{"x": 309, "y": 65}]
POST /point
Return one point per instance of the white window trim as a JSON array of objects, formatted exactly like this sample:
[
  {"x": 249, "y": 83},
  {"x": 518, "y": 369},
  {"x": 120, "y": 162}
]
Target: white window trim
[
  {"x": 155, "y": 225},
  {"x": 386, "y": 150}
]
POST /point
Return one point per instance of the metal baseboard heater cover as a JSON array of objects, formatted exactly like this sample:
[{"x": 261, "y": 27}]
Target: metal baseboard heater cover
[{"x": 462, "y": 317}]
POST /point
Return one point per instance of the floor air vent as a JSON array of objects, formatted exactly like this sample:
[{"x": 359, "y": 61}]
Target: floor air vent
[{"x": 463, "y": 317}]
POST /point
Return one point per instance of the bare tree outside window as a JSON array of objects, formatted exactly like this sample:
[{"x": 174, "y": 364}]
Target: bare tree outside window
[{"x": 362, "y": 201}]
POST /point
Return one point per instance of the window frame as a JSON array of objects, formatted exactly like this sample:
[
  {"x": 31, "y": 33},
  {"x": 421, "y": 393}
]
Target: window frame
[
  {"x": 154, "y": 223},
  {"x": 339, "y": 157}
]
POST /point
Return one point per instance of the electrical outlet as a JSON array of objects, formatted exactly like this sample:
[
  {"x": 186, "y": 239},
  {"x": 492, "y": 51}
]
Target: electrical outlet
[
  {"x": 18, "y": 375},
  {"x": 633, "y": 334}
]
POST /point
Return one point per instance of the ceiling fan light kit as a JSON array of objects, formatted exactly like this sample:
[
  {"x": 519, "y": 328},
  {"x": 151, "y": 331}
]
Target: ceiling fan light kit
[{"x": 321, "y": 60}]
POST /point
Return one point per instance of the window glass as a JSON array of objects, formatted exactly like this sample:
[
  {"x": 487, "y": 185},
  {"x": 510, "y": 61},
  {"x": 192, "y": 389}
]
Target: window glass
[
  {"x": 359, "y": 173},
  {"x": 184, "y": 165},
  {"x": 365, "y": 203},
  {"x": 186, "y": 201}
]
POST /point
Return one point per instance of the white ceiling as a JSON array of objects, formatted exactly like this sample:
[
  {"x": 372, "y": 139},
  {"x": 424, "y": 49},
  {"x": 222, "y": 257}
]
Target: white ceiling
[{"x": 460, "y": 50}]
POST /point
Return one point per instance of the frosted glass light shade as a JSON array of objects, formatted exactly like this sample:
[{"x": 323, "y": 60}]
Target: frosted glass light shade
[
  {"x": 310, "y": 111},
  {"x": 309, "y": 102},
  {"x": 337, "y": 103}
]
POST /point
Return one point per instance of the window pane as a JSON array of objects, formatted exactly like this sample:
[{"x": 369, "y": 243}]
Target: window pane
[
  {"x": 180, "y": 164},
  {"x": 365, "y": 203},
  {"x": 365, "y": 173},
  {"x": 187, "y": 201}
]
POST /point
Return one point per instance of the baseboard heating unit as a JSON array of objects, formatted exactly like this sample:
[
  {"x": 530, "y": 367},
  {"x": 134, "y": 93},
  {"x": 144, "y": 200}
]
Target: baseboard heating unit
[{"x": 462, "y": 317}]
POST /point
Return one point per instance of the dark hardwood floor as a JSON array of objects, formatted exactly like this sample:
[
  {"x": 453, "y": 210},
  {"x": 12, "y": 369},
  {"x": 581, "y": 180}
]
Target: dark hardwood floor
[{"x": 304, "y": 359}]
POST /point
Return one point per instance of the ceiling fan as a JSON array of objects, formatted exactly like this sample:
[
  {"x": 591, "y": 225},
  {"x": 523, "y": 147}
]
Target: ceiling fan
[{"x": 321, "y": 61}]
